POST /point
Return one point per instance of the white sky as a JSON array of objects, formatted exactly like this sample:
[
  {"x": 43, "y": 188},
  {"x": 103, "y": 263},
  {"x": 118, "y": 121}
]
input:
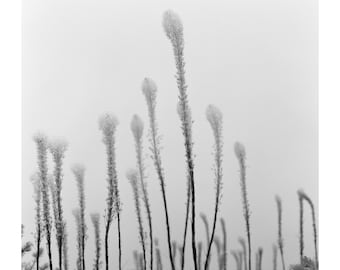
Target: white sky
[{"x": 255, "y": 60}]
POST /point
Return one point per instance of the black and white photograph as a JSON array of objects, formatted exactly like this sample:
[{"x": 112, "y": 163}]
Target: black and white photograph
[{"x": 170, "y": 135}]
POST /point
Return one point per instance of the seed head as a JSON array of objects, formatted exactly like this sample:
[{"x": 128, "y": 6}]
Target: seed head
[
  {"x": 173, "y": 26},
  {"x": 137, "y": 127},
  {"x": 240, "y": 151},
  {"x": 108, "y": 124}
]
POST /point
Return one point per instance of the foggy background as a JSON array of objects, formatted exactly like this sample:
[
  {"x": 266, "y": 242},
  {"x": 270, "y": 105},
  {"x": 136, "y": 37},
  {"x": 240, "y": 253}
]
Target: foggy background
[{"x": 255, "y": 60}]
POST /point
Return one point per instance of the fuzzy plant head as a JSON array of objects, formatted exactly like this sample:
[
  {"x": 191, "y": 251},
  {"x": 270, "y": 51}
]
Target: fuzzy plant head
[
  {"x": 137, "y": 127},
  {"x": 240, "y": 151},
  {"x": 149, "y": 89},
  {"x": 78, "y": 171},
  {"x": 173, "y": 27},
  {"x": 215, "y": 118},
  {"x": 41, "y": 139},
  {"x": 57, "y": 148},
  {"x": 108, "y": 124},
  {"x": 132, "y": 176}
]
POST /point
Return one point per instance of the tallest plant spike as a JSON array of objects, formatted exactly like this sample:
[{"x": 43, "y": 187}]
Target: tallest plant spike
[{"x": 173, "y": 28}]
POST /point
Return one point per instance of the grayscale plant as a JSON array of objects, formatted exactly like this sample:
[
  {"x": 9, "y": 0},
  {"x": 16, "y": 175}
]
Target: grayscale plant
[
  {"x": 174, "y": 31},
  {"x": 42, "y": 145},
  {"x": 132, "y": 176},
  {"x": 214, "y": 116},
  {"x": 305, "y": 197},
  {"x": 240, "y": 153},
  {"x": 95, "y": 218},
  {"x": 57, "y": 149},
  {"x": 149, "y": 89},
  {"x": 280, "y": 238},
  {"x": 38, "y": 226},
  {"x": 79, "y": 172},
  {"x": 137, "y": 128},
  {"x": 108, "y": 125}
]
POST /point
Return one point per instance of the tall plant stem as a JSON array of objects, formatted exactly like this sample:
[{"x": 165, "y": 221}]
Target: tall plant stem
[{"x": 149, "y": 90}]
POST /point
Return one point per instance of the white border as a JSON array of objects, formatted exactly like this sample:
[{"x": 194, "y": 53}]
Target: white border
[{"x": 10, "y": 119}]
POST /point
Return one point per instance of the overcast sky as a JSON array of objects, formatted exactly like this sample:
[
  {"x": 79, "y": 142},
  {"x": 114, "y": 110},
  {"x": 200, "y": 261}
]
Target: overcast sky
[{"x": 255, "y": 60}]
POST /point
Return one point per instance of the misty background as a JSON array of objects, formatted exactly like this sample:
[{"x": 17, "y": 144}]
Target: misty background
[{"x": 255, "y": 60}]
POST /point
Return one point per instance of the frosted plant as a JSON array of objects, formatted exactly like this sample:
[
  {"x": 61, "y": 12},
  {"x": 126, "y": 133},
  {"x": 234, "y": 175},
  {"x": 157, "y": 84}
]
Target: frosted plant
[
  {"x": 77, "y": 215},
  {"x": 206, "y": 227},
  {"x": 159, "y": 263},
  {"x": 244, "y": 251},
  {"x": 305, "y": 197},
  {"x": 149, "y": 90},
  {"x": 224, "y": 247},
  {"x": 95, "y": 218},
  {"x": 174, "y": 31},
  {"x": 259, "y": 258},
  {"x": 65, "y": 247},
  {"x": 137, "y": 128},
  {"x": 57, "y": 149},
  {"x": 79, "y": 171},
  {"x": 240, "y": 153},
  {"x": 280, "y": 238},
  {"x": 274, "y": 257},
  {"x": 217, "y": 243},
  {"x": 132, "y": 176},
  {"x": 214, "y": 117},
  {"x": 108, "y": 125},
  {"x": 37, "y": 199},
  {"x": 42, "y": 144}
]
